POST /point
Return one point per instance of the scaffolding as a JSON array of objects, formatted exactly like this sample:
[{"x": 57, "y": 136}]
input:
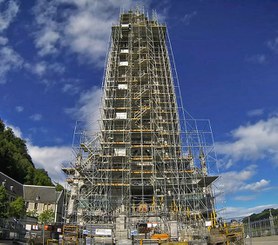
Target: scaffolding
[{"x": 147, "y": 169}]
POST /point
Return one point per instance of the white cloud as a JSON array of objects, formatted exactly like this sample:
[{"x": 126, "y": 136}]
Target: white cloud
[
  {"x": 256, "y": 59},
  {"x": 56, "y": 67},
  {"x": 16, "y": 130},
  {"x": 88, "y": 35},
  {"x": 252, "y": 141},
  {"x": 88, "y": 28},
  {"x": 83, "y": 28},
  {"x": 237, "y": 183},
  {"x": 36, "y": 117},
  {"x": 240, "y": 212},
  {"x": 88, "y": 108},
  {"x": 47, "y": 35},
  {"x": 51, "y": 159},
  {"x": 245, "y": 198},
  {"x": 9, "y": 10},
  {"x": 273, "y": 44},
  {"x": 19, "y": 108},
  {"x": 39, "y": 68},
  {"x": 188, "y": 17},
  {"x": 255, "y": 112},
  {"x": 233, "y": 181},
  {"x": 46, "y": 42},
  {"x": 162, "y": 7},
  {"x": 70, "y": 89},
  {"x": 3, "y": 40},
  {"x": 42, "y": 68},
  {"x": 9, "y": 60},
  {"x": 257, "y": 186}
]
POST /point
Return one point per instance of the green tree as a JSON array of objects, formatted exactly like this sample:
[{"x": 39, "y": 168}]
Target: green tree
[
  {"x": 47, "y": 217},
  {"x": 41, "y": 178},
  {"x": 59, "y": 187},
  {"x": 4, "y": 201},
  {"x": 32, "y": 213},
  {"x": 16, "y": 162},
  {"x": 2, "y": 126},
  {"x": 262, "y": 215},
  {"x": 17, "y": 208}
]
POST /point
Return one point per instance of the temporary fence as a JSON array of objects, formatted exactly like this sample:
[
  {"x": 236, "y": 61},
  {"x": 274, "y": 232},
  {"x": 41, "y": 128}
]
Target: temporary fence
[
  {"x": 11, "y": 229},
  {"x": 263, "y": 227}
]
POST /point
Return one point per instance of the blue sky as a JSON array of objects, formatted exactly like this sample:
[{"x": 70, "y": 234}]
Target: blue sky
[{"x": 52, "y": 56}]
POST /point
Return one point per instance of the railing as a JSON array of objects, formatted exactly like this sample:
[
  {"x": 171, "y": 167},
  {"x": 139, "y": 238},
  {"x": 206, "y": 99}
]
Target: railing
[
  {"x": 263, "y": 227},
  {"x": 11, "y": 229}
]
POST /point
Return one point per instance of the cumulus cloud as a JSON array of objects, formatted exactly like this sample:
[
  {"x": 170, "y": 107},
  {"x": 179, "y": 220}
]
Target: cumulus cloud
[
  {"x": 257, "y": 59},
  {"x": 83, "y": 28},
  {"x": 85, "y": 38},
  {"x": 46, "y": 42},
  {"x": 36, "y": 117},
  {"x": 9, "y": 60},
  {"x": 3, "y": 40},
  {"x": 188, "y": 17},
  {"x": 39, "y": 68},
  {"x": 252, "y": 141},
  {"x": 47, "y": 35},
  {"x": 43, "y": 68},
  {"x": 257, "y": 186},
  {"x": 240, "y": 184},
  {"x": 9, "y": 10},
  {"x": 255, "y": 112},
  {"x": 273, "y": 45},
  {"x": 232, "y": 181},
  {"x": 240, "y": 212},
  {"x": 51, "y": 158},
  {"x": 19, "y": 108},
  {"x": 244, "y": 198},
  {"x": 16, "y": 130},
  {"x": 88, "y": 108},
  {"x": 70, "y": 89}
]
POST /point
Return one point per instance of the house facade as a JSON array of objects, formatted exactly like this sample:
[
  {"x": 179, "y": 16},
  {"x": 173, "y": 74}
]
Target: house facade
[
  {"x": 41, "y": 198},
  {"x": 37, "y": 198}
]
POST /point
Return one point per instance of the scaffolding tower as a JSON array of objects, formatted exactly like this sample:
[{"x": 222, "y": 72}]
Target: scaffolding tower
[{"x": 148, "y": 166}]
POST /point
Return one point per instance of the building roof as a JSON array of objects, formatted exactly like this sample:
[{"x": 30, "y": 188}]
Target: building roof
[
  {"x": 12, "y": 186},
  {"x": 42, "y": 194}
]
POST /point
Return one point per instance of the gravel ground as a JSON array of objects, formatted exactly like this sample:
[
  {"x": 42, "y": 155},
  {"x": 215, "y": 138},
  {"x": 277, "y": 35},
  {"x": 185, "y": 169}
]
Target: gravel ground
[
  {"x": 267, "y": 240},
  {"x": 6, "y": 242}
]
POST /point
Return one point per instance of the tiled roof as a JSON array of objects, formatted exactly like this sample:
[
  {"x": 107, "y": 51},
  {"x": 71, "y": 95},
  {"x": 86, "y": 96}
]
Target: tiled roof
[
  {"x": 11, "y": 185},
  {"x": 42, "y": 194}
]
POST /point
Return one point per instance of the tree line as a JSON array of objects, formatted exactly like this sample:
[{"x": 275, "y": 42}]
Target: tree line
[
  {"x": 16, "y": 162},
  {"x": 262, "y": 215}
]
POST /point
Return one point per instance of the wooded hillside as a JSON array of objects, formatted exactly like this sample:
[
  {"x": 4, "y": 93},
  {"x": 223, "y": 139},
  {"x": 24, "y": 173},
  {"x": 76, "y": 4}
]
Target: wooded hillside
[
  {"x": 16, "y": 162},
  {"x": 262, "y": 215}
]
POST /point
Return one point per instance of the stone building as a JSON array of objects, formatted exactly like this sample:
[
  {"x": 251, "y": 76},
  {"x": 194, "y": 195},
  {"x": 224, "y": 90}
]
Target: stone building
[{"x": 37, "y": 198}]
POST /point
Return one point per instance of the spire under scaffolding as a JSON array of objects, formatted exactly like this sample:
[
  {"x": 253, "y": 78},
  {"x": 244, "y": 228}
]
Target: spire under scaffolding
[{"x": 147, "y": 169}]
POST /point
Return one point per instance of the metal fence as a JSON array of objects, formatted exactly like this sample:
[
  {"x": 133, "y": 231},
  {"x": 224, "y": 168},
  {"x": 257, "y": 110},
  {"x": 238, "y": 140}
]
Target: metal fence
[
  {"x": 264, "y": 227},
  {"x": 11, "y": 229}
]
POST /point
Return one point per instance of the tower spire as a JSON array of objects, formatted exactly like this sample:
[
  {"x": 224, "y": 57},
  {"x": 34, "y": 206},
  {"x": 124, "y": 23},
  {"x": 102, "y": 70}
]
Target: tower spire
[{"x": 136, "y": 174}]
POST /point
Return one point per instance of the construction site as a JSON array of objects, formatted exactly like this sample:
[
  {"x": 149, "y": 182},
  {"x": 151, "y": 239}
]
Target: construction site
[{"x": 147, "y": 176}]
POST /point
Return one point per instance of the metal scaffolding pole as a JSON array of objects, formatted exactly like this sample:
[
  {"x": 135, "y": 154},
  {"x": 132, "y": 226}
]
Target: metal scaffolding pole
[{"x": 147, "y": 169}]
